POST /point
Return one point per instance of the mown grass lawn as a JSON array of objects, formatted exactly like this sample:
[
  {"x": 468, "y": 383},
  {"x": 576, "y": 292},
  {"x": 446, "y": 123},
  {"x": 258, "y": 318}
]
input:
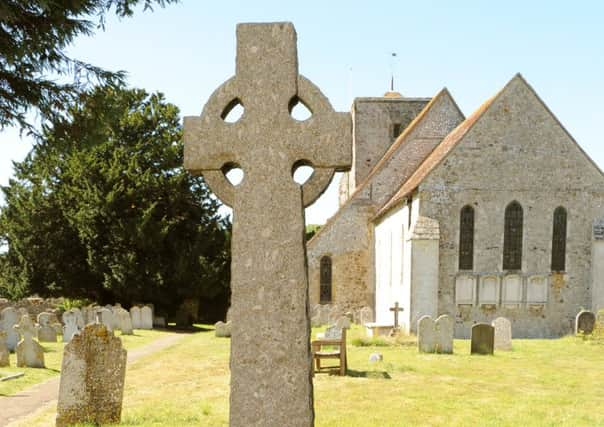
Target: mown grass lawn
[
  {"x": 53, "y": 354},
  {"x": 541, "y": 383}
]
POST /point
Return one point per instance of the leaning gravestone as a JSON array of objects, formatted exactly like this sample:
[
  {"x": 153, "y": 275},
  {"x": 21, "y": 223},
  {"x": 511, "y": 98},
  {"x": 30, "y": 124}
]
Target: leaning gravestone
[
  {"x": 585, "y": 322},
  {"x": 365, "y": 315},
  {"x": 30, "y": 353},
  {"x": 146, "y": 318},
  {"x": 4, "y": 353},
  {"x": 343, "y": 322},
  {"x": 10, "y": 316},
  {"x": 270, "y": 384},
  {"x": 70, "y": 328},
  {"x": 135, "y": 314},
  {"x": 92, "y": 378},
  {"x": 503, "y": 334},
  {"x": 483, "y": 339},
  {"x": 46, "y": 332},
  {"x": 435, "y": 336}
]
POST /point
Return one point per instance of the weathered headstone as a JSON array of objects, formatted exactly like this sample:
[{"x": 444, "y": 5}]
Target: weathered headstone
[
  {"x": 365, "y": 315},
  {"x": 70, "y": 327},
  {"x": 585, "y": 322},
  {"x": 270, "y": 384},
  {"x": 159, "y": 322},
  {"x": 503, "y": 334},
  {"x": 135, "y": 314},
  {"x": 92, "y": 378},
  {"x": 4, "y": 353},
  {"x": 146, "y": 317},
  {"x": 46, "y": 332},
  {"x": 105, "y": 316},
  {"x": 483, "y": 339},
  {"x": 125, "y": 321},
  {"x": 223, "y": 330},
  {"x": 343, "y": 322},
  {"x": 79, "y": 318},
  {"x": 30, "y": 353},
  {"x": 426, "y": 334},
  {"x": 9, "y": 318},
  {"x": 435, "y": 336}
]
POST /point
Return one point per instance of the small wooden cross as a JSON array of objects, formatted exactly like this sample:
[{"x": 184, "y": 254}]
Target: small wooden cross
[{"x": 396, "y": 309}]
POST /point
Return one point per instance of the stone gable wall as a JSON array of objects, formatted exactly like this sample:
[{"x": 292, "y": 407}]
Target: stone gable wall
[{"x": 516, "y": 151}]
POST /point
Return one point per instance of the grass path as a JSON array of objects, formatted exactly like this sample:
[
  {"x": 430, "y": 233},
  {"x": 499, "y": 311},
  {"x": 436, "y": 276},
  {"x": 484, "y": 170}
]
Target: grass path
[{"x": 540, "y": 383}]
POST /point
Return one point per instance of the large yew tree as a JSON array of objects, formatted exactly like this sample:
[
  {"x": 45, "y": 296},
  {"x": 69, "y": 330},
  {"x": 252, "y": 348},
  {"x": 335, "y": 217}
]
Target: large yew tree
[
  {"x": 35, "y": 71},
  {"x": 103, "y": 208}
]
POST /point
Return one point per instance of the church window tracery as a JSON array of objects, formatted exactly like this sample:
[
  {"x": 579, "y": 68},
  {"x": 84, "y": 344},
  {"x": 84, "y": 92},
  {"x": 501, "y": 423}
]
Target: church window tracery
[
  {"x": 512, "y": 238},
  {"x": 559, "y": 240},
  {"x": 325, "y": 282},
  {"x": 466, "y": 238}
]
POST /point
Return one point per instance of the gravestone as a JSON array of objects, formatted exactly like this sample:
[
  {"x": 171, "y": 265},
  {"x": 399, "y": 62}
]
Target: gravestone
[
  {"x": 435, "y": 336},
  {"x": 223, "y": 330},
  {"x": 270, "y": 384},
  {"x": 503, "y": 334},
  {"x": 343, "y": 322},
  {"x": 116, "y": 319},
  {"x": 396, "y": 309},
  {"x": 105, "y": 316},
  {"x": 146, "y": 317},
  {"x": 365, "y": 315},
  {"x": 30, "y": 353},
  {"x": 483, "y": 339},
  {"x": 79, "y": 318},
  {"x": 228, "y": 315},
  {"x": 135, "y": 314},
  {"x": 70, "y": 327},
  {"x": 9, "y": 318},
  {"x": 46, "y": 332},
  {"x": 92, "y": 378},
  {"x": 159, "y": 322},
  {"x": 585, "y": 322},
  {"x": 4, "y": 353},
  {"x": 125, "y": 321}
]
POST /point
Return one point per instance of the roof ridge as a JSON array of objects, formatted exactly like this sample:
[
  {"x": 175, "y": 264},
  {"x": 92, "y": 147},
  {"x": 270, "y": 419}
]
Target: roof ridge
[{"x": 448, "y": 144}]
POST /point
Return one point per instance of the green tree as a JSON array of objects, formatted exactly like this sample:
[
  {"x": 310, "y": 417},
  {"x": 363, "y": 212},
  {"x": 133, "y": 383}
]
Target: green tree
[
  {"x": 34, "y": 35},
  {"x": 102, "y": 209}
]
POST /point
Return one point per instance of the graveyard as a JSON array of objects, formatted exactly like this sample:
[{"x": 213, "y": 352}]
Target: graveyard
[
  {"x": 539, "y": 382},
  {"x": 158, "y": 267}
]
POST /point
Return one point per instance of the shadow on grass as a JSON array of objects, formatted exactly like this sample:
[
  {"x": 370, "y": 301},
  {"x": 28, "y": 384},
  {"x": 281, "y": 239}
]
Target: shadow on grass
[{"x": 382, "y": 375}]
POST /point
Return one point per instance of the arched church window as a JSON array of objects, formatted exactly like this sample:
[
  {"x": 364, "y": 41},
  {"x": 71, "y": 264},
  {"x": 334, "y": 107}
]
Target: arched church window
[
  {"x": 466, "y": 238},
  {"x": 325, "y": 282},
  {"x": 559, "y": 240},
  {"x": 512, "y": 237}
]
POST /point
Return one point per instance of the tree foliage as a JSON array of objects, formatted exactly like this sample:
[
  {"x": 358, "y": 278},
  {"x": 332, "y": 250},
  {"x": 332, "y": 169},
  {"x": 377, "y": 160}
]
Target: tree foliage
[
  {"x": 102, "y": 209},
  {"x": 34, "y": 35}
]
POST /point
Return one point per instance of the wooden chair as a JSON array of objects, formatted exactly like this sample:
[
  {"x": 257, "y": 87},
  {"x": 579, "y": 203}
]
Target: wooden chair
[{"x": 334, "y": 337}]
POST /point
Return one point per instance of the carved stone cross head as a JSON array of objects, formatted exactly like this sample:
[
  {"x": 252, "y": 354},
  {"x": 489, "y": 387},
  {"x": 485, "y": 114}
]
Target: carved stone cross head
[{"x": 267, "y": 143}]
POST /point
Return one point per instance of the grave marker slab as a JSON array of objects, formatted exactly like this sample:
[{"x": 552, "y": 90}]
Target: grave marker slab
[
  {"x": 270, "y": 384},
  {"x": 9, "y": 318},
  {"x": 483, "y": 339},
  {"x": 30, "y": 353},
  {"x": 146, "y": 317},
  {"x": 135, "y": 314},
  {"x": 70, "y": 327},
  {"x": 503, "y": 334},
  {"x": 4, "y": 353},
  {"x": 585, "y": 322},
  {"x": 92, "y": 378},
  {"x": 46, "y": 332},
  {"x": 435, "y": 336}
]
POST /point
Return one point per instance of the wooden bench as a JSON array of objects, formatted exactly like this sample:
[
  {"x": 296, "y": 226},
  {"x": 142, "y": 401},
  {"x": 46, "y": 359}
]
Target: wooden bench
[{"x": 334, "y": 337}]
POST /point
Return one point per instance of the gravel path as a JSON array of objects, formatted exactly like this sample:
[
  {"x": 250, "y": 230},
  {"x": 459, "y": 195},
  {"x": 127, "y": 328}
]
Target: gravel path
[{"x": 26, "y": 402}]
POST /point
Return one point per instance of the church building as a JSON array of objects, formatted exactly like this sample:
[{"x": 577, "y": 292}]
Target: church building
[{"x": 497, "y": 214}]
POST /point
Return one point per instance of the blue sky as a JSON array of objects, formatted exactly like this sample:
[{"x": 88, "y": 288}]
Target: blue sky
[{"x": 473, "y": 48}]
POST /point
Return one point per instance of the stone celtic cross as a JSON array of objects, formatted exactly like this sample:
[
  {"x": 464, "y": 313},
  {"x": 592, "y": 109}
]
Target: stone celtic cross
[
  {"x": 396, "y": 309},
  {"x": 270, "y": 353}
]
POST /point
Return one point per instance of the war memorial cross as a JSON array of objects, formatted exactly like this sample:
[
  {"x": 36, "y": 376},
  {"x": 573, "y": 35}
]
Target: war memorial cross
[{"x": 270, "y": 340}]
